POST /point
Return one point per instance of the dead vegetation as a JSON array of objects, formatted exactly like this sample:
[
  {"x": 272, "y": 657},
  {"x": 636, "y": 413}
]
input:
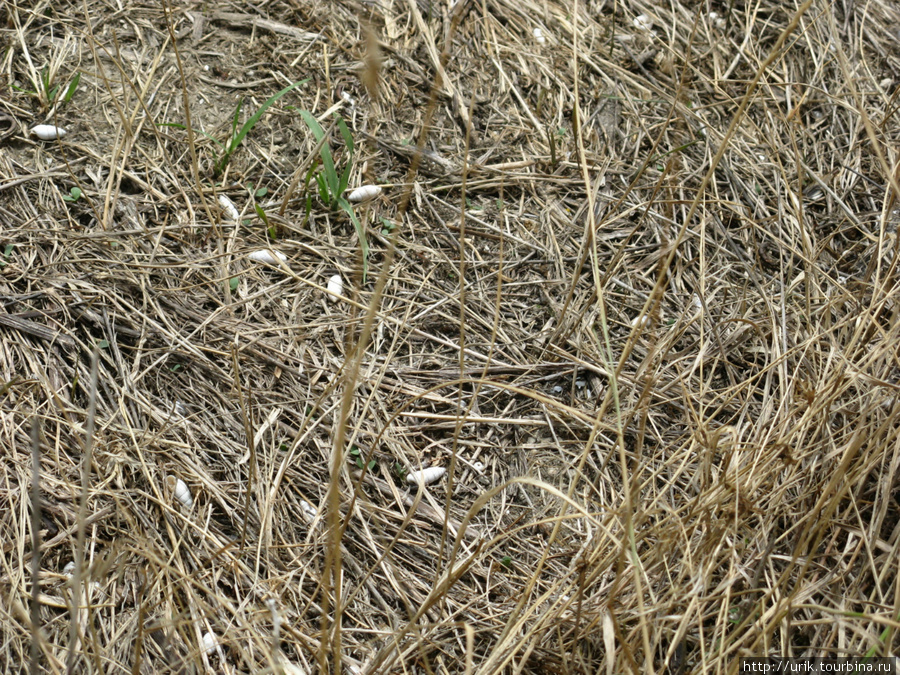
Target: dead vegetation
[{"x": 632, "y": 282}]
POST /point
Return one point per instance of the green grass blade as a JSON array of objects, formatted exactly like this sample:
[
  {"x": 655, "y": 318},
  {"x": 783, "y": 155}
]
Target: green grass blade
[
  {"x": 250, "y": 123},
  {"x": 236, "y": 118},
  {"x": 345, "y": 179},
  {"x": 323, "y": 188},
  {"x": 363, "y": 242},
  {"x": 262, "y": 214},
  {"x": 345, "y": 132},
  {"x": 348, "y": 143},
  {"x": 73, "y": 86},
  {"x": 327, "y": 160}
]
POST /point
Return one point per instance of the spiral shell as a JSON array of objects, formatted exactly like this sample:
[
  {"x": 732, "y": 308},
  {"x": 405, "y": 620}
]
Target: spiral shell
[
  {"x": 335, "y": 288},
  {"x": 181, "y": 491},
  {"x": 266, "y": 256},
  {"x": 229, "y": 208},
  {"x": 643, "y": 22},
  {"x": 309, "y": 512},
  {"x": 425, "y": 476},
  {"x": 364, "y": 193},
  {"x": 210, "y": 642},
  {"x": 48, "y": 132}
]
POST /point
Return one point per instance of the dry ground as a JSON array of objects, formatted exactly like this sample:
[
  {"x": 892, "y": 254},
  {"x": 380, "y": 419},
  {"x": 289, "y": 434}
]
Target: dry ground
[{"x": 632, "y": 282}]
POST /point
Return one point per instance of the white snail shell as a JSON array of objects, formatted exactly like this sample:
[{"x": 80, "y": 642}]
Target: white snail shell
[
  {"x": 210, "y": 642},
  {"x": 309, "y": 513},
  {"x": 48, "y": 132},
  {"x": 364, "y": 193},
  {"x": 643, "y": 22},
  {"x": 425, "y": 476},
  {"x": 335, "y": 288},
  {"x": 266, "y": 256},
  {"x": 229, "y": 208},
  {"x": 181, "y": 491}
]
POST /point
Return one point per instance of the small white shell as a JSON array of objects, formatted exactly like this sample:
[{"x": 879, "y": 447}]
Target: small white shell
[
  {"x": 478, "y": 466},
  {"x": 229, "y": 208},
  {"x": 69, "y": 569},
  {"x": 642, "y": 321},
  {"x": 335, "y": 288},
  {"x": 425, "y": 476},
  {"x": 364, "y": 193},
  {"x": 717, "y": 20},
  {"x": 265, "y": 256},
  {"x": 643, "y": 22},
  {"x": 309, "y": 513},
  {"x": 539, "y": 36},
  {"x": 48, "y": 132},
  {"x": 181, "y": 491},
  {"x": 210, "y": 642},
  {"x": 348, "y": 99}
]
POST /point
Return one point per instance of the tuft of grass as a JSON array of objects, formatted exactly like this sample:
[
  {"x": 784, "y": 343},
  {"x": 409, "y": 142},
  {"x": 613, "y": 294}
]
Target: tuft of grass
[
  {"x": 332, "y": 184},
  {"x": 237, "y": 136}
]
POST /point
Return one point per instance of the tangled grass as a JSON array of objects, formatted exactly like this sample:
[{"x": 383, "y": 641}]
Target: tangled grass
[{"x": 632, "y": 282}]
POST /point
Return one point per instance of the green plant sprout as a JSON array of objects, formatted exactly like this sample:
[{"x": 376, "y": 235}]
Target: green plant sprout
[
  {"x": 273, "y": 233},
  {"x": 355, "y": 452},
  {"x": 48, "y": 91},
  {"x": 45, "y": 81},
  {"x": 331, "y": 185},
  {"x": 73, "y": 196},
  {"x": 73, "y": 87},
  {"x": 237, "y": 136},
  {"x": 7, "y": 251}
]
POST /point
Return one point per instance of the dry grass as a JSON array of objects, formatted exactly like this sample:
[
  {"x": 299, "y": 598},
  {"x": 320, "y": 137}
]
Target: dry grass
[{"x": 665, "y": 392}]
